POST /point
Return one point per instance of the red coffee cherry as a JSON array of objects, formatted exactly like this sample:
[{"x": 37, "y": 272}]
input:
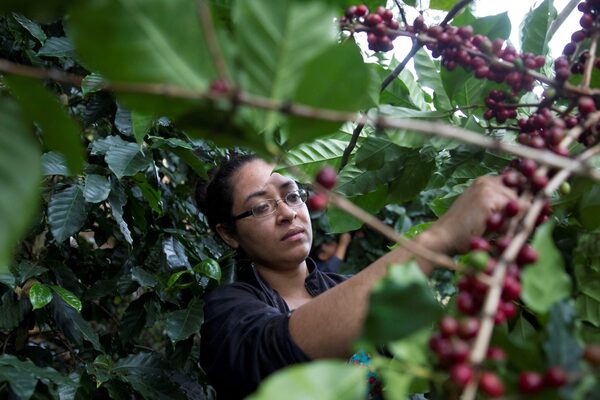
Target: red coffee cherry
[
  {"x": 465, "y": 303},
  {"x": 327, "y": 177},
  {"x": 461, "y": 374},
  {"x": 531, "y": 382},
  {"x": 527, "y": 255},
  {"x": 586, "y": 105},
  {"x": 317, "y": 202},
  {"x": 509, "y": 309},
  {"x": 494, "y": 222},
  {"x": 479, "y": 243},
  {"x": 528, "y": 167},
  {"x": 555, "y": 377},
  {"x": 460, "y": 351},
  {"x": 511, "y": 290},
  {"x": 491, "y": 385},
  {"x": 468, "y": 328},
  {"x": 448, "y": 326},
  {"x": 512, "y": 208},
  {"x": 361, "y": 10},
  {"x": 496, "y": 354},
  {"x": 591, "y": 354}
]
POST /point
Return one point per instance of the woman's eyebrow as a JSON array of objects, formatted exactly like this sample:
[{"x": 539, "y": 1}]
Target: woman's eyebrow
[{"x": 260, "y": 193}]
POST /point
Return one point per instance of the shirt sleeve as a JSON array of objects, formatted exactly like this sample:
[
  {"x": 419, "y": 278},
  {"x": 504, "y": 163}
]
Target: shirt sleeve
[{"x": 243, "y": 341}]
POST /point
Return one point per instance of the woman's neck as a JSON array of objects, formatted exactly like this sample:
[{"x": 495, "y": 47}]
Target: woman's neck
[{"x": 287, "y": 282}]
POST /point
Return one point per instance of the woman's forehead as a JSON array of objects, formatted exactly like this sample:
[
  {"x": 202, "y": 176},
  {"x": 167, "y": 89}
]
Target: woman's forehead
[{"x": 256, "y": 177}]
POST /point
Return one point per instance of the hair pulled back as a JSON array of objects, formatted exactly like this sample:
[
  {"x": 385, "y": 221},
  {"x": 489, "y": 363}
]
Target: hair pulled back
[{"x": 215, "y": 196}]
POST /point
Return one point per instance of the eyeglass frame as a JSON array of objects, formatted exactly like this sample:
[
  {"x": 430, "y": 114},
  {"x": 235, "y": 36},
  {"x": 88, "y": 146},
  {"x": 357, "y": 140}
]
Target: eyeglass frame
[{"x": 250, "y": 212}]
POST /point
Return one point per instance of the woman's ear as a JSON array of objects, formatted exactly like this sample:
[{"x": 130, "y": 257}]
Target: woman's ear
[{"x": 227, "y": 236}]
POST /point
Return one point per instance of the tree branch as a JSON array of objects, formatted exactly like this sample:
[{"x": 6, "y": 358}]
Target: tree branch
[
  {"x": 543, "y": 157},
  {"x": 455, "y": 10},
  {"x": 415, "y": 47},
  {"x": 402, "y": 14},
  {"x": 561, "y": 18},
  {"x": 351, "y": 145},
  {"x": 589, "y": 65},
  {"x": 212, "y": 42}
]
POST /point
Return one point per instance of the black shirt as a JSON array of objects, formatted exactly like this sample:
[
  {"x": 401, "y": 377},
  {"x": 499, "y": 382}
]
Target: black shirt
[{"x": 245, "y": 334}]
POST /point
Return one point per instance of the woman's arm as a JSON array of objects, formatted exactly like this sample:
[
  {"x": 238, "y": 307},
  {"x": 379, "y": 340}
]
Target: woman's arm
[{"x": 327, "y": 326}]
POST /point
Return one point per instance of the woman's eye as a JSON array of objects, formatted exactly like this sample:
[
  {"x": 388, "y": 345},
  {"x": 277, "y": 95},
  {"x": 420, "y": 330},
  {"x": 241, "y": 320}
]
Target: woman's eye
[
  {"x": 293, "y": 198},
  {"x": 261, "y": 208}
]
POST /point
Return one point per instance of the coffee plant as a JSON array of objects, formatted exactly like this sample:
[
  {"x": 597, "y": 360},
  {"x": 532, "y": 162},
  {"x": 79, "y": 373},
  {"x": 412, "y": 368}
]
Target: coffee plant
[{"x": 111, "y": 110}]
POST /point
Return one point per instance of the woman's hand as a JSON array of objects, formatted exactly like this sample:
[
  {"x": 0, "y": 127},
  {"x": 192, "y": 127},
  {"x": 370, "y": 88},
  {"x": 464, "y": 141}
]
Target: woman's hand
[{"x": 467, "y": 216}]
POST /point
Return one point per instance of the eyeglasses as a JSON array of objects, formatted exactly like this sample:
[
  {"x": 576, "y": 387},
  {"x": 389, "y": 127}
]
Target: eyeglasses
[{"x": 267, "y": 207}]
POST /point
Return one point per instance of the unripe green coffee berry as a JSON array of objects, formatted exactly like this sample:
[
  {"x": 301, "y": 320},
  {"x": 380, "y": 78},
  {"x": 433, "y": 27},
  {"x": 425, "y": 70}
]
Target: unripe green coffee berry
[
  {"x": 478, "y": 259},
  {"x": 565, "y": 188}
]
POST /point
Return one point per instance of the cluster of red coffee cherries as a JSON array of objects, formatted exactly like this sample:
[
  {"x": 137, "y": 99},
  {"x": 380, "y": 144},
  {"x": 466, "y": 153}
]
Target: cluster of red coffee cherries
[
  {"x": 381, "y": 27},
  {"x": 326, "y": 177},
  {"x": 499, "y": 107}
]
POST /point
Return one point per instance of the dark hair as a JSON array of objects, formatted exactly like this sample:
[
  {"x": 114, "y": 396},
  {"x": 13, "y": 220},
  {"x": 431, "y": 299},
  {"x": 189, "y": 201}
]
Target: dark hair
[{"x": 215, "y": 196}]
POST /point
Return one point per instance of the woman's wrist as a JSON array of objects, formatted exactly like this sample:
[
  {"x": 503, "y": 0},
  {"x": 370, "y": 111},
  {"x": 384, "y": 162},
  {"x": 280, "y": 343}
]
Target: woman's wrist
[{"x": 437, "y": 239}]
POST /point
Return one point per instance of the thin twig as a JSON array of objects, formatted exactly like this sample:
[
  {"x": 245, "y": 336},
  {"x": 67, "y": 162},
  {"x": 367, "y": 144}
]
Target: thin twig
[
  {"x": 211, "y": 40},
  {"x": 351, "y": 145},
  {"x": 394, "y": 74},
  {"x": 561, "y": 18},
  {"x": 402, "y": 14},
  {"x": 455, "y": 10},
  {"x": 589, "y": 65},
  {"x": 543, "y": 157}
]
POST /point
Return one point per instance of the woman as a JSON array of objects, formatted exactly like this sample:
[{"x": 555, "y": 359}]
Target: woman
[{"x": 283, "y": 310}]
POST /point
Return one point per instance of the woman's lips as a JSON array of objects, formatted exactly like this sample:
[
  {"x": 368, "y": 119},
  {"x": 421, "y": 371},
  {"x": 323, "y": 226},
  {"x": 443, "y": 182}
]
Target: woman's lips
[{"x": 293, "y": 234}]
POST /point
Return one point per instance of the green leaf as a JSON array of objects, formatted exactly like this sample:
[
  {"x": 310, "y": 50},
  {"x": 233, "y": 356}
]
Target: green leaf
[
  {"x": 323, "y": 380},
  {"x": 150, "y": 41},
  {"x": 57, "y": 47},
  {"x": 175, "y": 277},
  {"x": 117, "y": 200},
  {"x": 72, "y": 323},
  {"x": 140, "y": 125},
  {"x": 464, "y": 89},
  {"x": 586, "y": 261},
  {"x": 60, "y": 131},
  {"x": 134, "y": 319},
  {"x": 430, "y": 76},
  {"x": 32, "y": 27},
  {"x": 25, "y": 270},
  {"x": 175, "y": 253},
  {"x": 412, "y": 179},
  {"x": 183, "y": 323},
  {"x": 54, "y": 163},
  {"x": 589, "y": 208},
  {"x": 143, "y": 277},
  {"x": 276, "y": 39},
  {"x": 327, "y": 82},
  {"x": 588, "y": 309},
  {"x": 375, "y": 151},
  {"x": 492, "y": 26},
  {"x": 67, "y": 212},
  {"x": 546, "y": 281},
  {"x": 340, "y": 221},
  {"x": 562, "y": 348},
  {"x": 534, "y": 28},
  {"x": 400, "y": 304},
  {"x": 209, "y": 268},
  {"x": 92, "y": 83},
  {"x": 445, "y": 5},
  {"x": 69, "y": 297},
  {"x": 19, "y": 179},
  {"x": 12, "y": 310},
  {"x": 146, "y": 373},
  {"x": 102, "y": 146},
  {"x": 23, "y": 376},
  {"x": 311, "y": 157},
  {"x": 96, "y": 188},
  {"x": 40, "y": 295},
  {"x": 403, "y": 91},
  {"x": 126, "y": 160}
]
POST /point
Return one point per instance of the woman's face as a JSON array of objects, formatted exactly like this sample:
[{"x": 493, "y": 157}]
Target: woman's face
[{"x": 281, "y": 240}]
